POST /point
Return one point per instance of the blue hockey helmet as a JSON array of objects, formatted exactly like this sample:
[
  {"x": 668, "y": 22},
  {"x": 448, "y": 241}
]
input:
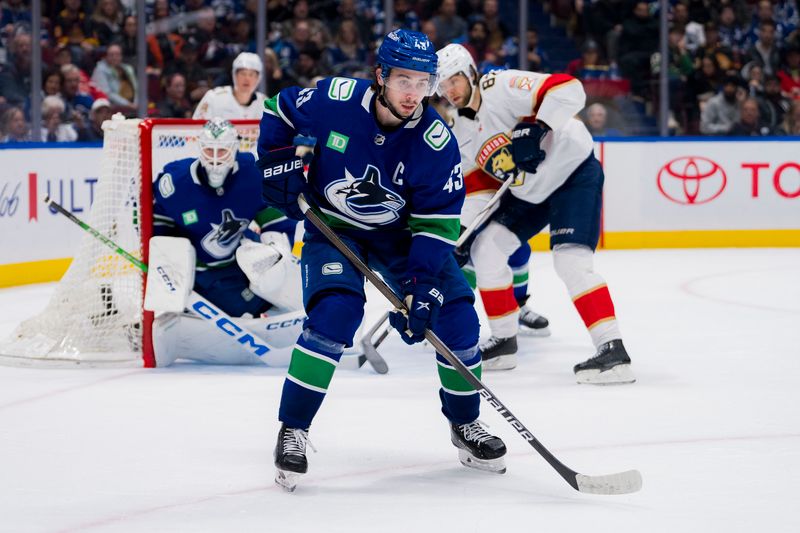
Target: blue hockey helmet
[{"x": 410, "y": 50}]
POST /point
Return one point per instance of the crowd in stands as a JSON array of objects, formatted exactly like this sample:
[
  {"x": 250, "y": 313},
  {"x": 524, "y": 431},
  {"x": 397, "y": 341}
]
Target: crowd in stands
[{"x": 733, "y": 65}]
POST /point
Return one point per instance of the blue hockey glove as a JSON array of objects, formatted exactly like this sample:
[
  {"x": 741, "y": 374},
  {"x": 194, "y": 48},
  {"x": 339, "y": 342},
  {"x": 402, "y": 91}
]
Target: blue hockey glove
[
  {"x": 423, "y": 300},
  {"x": 526, "y": 140},
  {"x": 283, "y": 180}
]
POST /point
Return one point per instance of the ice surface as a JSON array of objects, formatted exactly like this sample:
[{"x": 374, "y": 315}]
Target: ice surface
[{"x": 713, "y": 424}]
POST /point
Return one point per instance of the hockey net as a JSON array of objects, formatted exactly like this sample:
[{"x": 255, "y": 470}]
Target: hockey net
[{"x": 95, "y": 316}]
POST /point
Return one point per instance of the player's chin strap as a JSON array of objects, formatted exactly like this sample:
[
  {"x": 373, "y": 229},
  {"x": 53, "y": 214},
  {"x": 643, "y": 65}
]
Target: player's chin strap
[{"x": 385, "y": 103}]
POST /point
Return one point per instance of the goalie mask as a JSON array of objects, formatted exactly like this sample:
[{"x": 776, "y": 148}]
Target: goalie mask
[
  {"x": 455, "y": 59},
  {"x": 219, "y": 143}
]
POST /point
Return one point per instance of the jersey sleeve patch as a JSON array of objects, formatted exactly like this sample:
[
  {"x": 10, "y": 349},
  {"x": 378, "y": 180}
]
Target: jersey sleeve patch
[
  {"x": 437, "y": 135},
  {"x": 341, "y": 89},
  {"x": 165, "y": 185}
]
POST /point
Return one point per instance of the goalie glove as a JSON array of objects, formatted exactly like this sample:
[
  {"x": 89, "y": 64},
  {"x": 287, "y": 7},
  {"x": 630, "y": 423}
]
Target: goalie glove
[
  {"x": 423, "y": 301},
  {"x": 526, "y": 140},
  {"x": 283, "y": 180}
]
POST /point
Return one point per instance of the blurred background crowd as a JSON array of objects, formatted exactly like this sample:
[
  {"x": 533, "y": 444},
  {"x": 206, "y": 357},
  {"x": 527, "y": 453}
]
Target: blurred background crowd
[{"x": 733, "y": 65}]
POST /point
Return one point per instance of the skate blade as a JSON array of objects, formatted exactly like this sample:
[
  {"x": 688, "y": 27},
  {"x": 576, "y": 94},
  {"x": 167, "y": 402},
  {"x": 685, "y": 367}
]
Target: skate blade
[
  {"x": 287, "y": 480},
  {"x": 495, "y": 466},
  {"x": 501, "y": 362},
  {"x": 525, "y": 331},
  {"x": 617, "y": 375}
]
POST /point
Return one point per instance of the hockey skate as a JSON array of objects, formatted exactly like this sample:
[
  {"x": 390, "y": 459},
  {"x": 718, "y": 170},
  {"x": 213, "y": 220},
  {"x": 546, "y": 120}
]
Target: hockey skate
[
  {"x": 290, "y": 457},
  {"x": 532, "y": 324},
  {"x": 609, "y": 366},
  {"x": 477, "y": 448},
  {"x": 499, "y": 353}
]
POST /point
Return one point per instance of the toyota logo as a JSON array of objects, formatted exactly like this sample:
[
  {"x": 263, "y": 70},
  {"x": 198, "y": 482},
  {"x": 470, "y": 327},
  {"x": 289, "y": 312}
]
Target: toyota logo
[{"x": 691, "y": 180}]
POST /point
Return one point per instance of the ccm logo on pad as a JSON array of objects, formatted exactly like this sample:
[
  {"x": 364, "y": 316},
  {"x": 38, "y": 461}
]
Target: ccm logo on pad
[{"x": 280, "y": 168}]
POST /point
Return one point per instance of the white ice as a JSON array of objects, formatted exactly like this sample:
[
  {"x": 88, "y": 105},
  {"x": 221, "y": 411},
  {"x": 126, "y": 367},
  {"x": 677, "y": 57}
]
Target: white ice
[{"x": 713, "y": 424}]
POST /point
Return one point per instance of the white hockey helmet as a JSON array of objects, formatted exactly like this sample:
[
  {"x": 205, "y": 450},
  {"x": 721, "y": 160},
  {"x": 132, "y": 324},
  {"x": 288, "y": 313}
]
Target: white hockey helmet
[
  {"x": 219, "y": 143},
  {"x": 247, "y": 60},
  {"x": 455, "y": 59}
]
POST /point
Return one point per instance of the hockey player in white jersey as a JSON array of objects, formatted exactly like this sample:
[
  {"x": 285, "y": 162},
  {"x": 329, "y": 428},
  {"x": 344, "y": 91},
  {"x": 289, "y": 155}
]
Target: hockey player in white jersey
[
  {"x": 240, "y": 100},
  {"x": 520, "y": 125}
]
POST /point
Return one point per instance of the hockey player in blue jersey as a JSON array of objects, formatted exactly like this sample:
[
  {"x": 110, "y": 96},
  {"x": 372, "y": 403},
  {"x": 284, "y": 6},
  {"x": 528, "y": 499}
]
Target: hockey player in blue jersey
[
  {"x": 386, "y": 175},
  {"x": 244, "y": 263}
]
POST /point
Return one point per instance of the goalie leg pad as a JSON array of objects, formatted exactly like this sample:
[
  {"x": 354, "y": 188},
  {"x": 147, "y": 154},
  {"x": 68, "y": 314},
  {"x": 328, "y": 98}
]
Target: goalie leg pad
[{"x": 170, "y": 274}]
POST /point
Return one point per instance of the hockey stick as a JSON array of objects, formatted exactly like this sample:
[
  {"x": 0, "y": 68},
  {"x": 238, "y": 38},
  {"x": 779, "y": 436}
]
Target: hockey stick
[
  {"x": 619, "y": 483},
  {"x": 203, "y": 307},
  {"x": 370, "y": 348}
]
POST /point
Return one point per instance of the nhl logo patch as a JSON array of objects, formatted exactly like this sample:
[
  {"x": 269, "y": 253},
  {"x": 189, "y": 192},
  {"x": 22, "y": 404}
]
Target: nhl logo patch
[
  {"x": 379, "y": 139},
  {"x": 495, "y": 158}
]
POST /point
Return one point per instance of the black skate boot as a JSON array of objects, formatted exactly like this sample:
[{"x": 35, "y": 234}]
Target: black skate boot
[
  {"x": 532, "y": 324},
  {"x": 609, "y": 366},
  {"x": 290, "y": 456},
  {"x": 499, "y": 354},
  {"x": 477, "y": 448}
]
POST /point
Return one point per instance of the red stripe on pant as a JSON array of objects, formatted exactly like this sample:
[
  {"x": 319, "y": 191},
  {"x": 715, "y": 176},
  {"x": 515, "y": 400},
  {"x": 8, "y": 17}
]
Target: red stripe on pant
[
  {"x": 595, "y": 306},
  {"x": 499, "y": 302}
]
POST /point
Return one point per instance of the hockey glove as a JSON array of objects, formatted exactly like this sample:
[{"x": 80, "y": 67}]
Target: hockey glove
[
  {"x": 526, "y": 140},
  {"x": 283, "y": 180},
  {"x": 462, "y": 253},
  {"x": 423, "y": 301}
]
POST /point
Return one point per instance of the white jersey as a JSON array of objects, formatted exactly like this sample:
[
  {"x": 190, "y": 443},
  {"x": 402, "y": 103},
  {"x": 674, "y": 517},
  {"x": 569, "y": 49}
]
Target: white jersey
[
  {"x": 508, "y": 97},
  {"x": 220, "y": 102}
]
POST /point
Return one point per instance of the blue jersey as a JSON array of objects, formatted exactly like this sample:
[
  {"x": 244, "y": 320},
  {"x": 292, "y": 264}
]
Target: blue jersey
[
  {"x": 212, "y": 219},
  {"x": 369, "y": 182}
]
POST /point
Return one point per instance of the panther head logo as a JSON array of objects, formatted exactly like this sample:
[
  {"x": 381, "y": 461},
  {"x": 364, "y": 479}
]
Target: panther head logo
[
  {"x": 365, "y": 199},
  {"x": 502, "y": 162}
]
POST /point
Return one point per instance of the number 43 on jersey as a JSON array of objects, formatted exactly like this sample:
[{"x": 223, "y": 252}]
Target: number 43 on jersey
[{"x": 456, "y": 180}]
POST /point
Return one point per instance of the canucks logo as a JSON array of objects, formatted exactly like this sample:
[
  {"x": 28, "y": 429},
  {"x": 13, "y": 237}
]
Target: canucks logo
[
  {"x": 365, "y": 199},
  {"x": 224, "y": 237}
]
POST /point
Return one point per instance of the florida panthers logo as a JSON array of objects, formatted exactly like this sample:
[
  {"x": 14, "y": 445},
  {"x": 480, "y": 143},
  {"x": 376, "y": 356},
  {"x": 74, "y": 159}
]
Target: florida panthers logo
[
  {"x": 365, "y": 199},
  {"x": 224, "y": 237}
]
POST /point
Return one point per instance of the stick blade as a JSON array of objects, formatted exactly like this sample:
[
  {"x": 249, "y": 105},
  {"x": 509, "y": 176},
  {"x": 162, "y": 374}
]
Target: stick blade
[
  {"x": 620, "y": 483},
  {"x": 375, "y": 360}
]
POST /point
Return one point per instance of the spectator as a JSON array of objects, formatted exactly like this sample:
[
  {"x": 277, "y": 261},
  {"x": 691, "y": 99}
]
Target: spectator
[
  {"x": 478, "y": 40},
  {"x": 772, "y": 106},
  {"x": 53, "y": 128},
  {"x": 791, "y": 122},
  {"x": 764, "y": 13},
  {"x": 289, "y": 49},
  {"x": 241, "y": 37},
  {"x": 15, "y": 75},
  {"x": 52, "y": 81},
  {"x": 723, "y": 56},
  {"x": 301, "y": 13},
  {"x": 790, "y": 75},
  {"x": 164, "y": 44},
  {"x": 127, "y": 41},
  {"x": 77, "y": 103},
  {"x": 703, "y": 84},
  {"x": 197, "y": 79},
  {"x": 589, "y": 65},
  {"x": 638, "y": 41},
  {"x": 721, "y": 112},
  {"x": 449, "y": 26},
  {"x": 106, "y": 21},
  {"x": 273, "y": 73},
  {"x": 765, "y": 50},
  {"x": 13, "y": 13},
  {"x": 71, "y": 28},
  {"x": 306, "y": 67},
  {"x": 755, "y": 80},
  {"x": 92, "y": 130},
  {"x": 346, "y": 54},
  {"x": 602, "y": 20},
  {"x": 175, "y": 104},
  {"x": 731, "y": 35},
  {"x": 596, "y": 121},
  {"x": 749, "y": 123},
  {"x": 498, "y": 32},
  {"x": 211, "y": 49},
  {"x": 13, "y": 128},
  {"x": 428, "y": 27},
  {"x": 347, "y": 11},
  {"x": 694, "y": 33},
  {"x": 116, "y": 78}
]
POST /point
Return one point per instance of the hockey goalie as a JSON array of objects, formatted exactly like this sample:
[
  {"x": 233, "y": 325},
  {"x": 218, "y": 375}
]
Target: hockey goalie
[{"x": 214, "y": 234}]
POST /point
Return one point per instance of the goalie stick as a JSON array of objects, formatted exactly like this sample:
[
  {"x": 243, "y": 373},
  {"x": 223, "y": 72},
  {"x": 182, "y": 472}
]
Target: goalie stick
[{"x": 618, "y": 483}]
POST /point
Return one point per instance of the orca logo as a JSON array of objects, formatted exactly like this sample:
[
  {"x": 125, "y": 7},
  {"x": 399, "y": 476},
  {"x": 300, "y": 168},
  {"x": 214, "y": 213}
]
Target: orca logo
[
  {"x": 365, "y": 199},
  {"x": 691, "y": 180},
  {"x": 224, "y": 237}
]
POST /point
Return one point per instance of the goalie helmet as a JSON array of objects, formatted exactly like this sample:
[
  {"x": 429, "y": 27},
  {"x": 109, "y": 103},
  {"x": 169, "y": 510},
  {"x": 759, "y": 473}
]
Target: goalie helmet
[
  {"x": 246, "y": 60},
  {"x": 219, "y": 143},
  {"x": 455, "y": 59}
]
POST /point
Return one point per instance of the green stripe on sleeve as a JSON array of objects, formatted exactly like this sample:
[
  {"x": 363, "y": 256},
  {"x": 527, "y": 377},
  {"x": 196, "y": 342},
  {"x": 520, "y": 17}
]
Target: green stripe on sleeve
[
  {"x": 267, "y": 216},
  {"x": 444, "y": 228}
]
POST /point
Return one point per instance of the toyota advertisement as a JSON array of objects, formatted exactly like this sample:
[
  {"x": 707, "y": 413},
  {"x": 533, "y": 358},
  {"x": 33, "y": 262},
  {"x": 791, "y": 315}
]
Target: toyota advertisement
[{"x": 657, "y": 194}]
